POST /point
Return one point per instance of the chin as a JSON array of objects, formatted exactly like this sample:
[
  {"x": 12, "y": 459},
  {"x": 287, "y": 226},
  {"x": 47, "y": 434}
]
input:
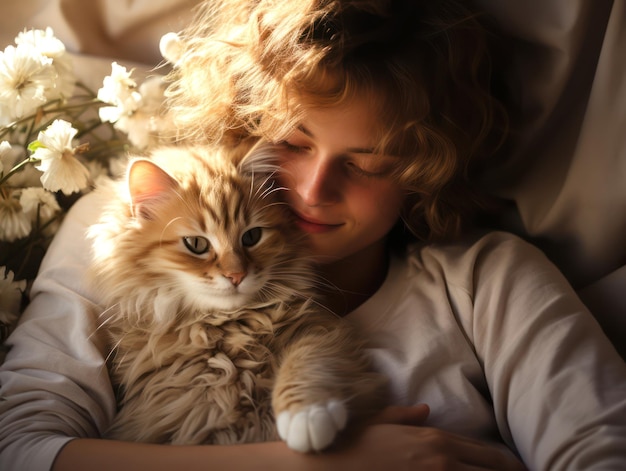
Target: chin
[
  {"x": 221, "y": 302},
  {"x": 328, "y": 255}
]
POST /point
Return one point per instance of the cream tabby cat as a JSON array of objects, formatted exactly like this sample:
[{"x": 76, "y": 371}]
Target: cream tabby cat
[{"x": 214, "y": 335}]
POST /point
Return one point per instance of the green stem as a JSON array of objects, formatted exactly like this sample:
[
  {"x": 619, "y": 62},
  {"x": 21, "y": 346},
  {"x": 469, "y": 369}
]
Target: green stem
[
  {"x": 17, "y": 168},
  {"x": 89, "y": 129},
  {"x": 84, "y": 87}
]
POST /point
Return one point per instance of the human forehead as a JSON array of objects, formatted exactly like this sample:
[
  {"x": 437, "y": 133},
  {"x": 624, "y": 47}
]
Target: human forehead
[{"x": 353, "y": 123}]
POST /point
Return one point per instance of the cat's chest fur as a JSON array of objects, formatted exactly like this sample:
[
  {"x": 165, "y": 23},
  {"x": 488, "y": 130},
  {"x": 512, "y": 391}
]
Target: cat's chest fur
[
  {"x": 229, "y": 368},
  {"x": 208, "y": 309}
]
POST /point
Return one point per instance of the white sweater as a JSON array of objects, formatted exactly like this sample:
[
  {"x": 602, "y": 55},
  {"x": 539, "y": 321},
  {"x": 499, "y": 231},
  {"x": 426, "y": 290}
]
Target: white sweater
[{"x": 488, "y": 333}]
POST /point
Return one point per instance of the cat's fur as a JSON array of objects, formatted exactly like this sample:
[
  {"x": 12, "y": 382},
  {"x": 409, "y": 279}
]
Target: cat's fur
[{"x": 212, "y": 347}]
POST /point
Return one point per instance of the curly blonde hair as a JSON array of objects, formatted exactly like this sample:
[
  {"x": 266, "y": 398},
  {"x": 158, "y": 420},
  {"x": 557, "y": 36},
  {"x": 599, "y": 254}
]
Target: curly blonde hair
[{"x": 250, "y": 68}]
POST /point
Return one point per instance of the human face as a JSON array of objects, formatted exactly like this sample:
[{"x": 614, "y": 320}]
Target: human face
[{"x": 341, "y": 192}]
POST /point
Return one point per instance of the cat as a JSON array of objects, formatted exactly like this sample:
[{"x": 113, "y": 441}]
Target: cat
[{"x": 215, "y": 333}]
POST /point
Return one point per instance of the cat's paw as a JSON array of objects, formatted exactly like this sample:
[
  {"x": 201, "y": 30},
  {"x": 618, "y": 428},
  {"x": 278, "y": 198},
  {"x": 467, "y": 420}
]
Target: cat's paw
[{"x": 312, "y": 428}]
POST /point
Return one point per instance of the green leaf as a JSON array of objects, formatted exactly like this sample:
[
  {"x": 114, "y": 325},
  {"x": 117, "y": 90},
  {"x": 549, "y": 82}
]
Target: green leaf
[{"x": 33, "y": 146}]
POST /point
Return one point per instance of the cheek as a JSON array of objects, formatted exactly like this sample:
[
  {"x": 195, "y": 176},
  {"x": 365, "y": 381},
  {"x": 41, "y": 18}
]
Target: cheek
[
  {"x": 289, "y": 173},
  {"x": 378, "y": 207}
]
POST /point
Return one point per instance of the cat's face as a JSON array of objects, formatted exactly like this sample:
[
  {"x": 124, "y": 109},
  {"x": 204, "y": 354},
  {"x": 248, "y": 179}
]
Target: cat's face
[{"x": 214, "y": 237}]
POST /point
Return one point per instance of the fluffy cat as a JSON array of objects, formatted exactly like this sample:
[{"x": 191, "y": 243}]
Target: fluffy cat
[{"x": 208, "y": 295}]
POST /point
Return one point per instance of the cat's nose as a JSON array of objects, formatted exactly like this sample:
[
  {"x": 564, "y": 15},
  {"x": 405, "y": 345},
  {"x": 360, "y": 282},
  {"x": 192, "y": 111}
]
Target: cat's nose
[{"x": 236, "y": 278}]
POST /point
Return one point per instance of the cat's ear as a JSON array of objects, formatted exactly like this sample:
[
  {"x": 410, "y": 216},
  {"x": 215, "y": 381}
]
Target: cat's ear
[{"x": 148, "y": 184}]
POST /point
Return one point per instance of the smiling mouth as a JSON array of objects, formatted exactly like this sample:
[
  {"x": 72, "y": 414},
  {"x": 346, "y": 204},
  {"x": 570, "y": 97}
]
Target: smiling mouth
[{"x": 313, "y": 226}]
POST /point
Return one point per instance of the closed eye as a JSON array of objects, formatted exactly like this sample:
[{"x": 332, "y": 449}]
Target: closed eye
[
  {"x": 292, "y": 147},
  {"x": 196, "y": 244},
  {"x": 362, "y": 172}
]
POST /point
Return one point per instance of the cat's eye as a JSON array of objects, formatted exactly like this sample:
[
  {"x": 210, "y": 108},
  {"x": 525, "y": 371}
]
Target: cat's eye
[
  {"x": 196, "y": 244},
  {"x": 251, "y": 237}
]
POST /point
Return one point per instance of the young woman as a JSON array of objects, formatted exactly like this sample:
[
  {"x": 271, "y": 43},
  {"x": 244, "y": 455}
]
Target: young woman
[{"x": 381, "y": 114}]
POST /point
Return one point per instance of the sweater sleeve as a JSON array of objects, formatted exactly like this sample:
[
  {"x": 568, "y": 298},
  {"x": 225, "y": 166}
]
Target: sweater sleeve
[
  {"x": 557, "y": 384},
  {"x": 54, "y": 382}
]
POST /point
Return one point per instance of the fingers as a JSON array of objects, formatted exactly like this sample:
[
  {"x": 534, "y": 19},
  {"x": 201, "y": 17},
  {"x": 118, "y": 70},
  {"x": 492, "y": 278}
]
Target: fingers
[
  {"x": 471, "y": 453},
  {"x": 403, "y": 415},
  {"x": 417, "y": 447},
  {"x": 495, "y": 457},
  {"x": 398, "y": 446}
]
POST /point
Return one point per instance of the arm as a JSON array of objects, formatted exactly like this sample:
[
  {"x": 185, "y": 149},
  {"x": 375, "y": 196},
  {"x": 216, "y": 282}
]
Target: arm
[
  {"x": 54, "y": 381},
  {"x": 97, "y": 455},
  {"x": 558, "y": 385},
  {"x": 58, "y": 397},
  {"x": 393, "y": 442}
]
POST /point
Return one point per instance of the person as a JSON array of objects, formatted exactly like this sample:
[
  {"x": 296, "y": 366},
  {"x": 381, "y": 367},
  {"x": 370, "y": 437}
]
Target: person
[{"x": 382, "y": 116}]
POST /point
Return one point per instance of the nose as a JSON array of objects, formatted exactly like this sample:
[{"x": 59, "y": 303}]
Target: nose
[
  {"x": 232, "y": 266},
  {"x": 315, "y": 181},
  {"x": 235, "y": 278}
]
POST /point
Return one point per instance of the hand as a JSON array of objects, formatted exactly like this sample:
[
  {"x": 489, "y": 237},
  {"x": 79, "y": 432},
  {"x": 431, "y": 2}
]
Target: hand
[{"x": 394, "y": 440}]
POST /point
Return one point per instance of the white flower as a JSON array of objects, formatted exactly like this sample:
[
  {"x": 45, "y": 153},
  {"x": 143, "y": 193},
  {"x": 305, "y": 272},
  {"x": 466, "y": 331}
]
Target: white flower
[
  {"x": 41, "y": 207},
  {"x": 171, "y": 48},
  {"x": 14, "y": 223},
  {"x": 118, "y": 166},
  {"x": 25, "y": 77},
  {"x": 98, "y": 173},
  {"x": 37, "y": 202},
  {"x": 149, "y": 124},
  {"x": 10, "y": 296},
  {"x": 119, "y": 90},
  {"x": 5, "y": 149},
  {"x": 37, "y": 83},
  {"x": 45, "y": 42},
  {"x": 61, "y": 170},
  {"x": 50, "y": 46}
]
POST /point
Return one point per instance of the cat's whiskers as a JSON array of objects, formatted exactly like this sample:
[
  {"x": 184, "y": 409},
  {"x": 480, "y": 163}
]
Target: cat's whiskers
[
  {"x": 172, "y": 221},
  {"x": 105, "y": 321},
  {"x": 182, "y": 199},
  {"x": 271, "y": 190},
  {"x": 264, "y": 189},
  {"x": 279, "y": 291},
  {"x": 168, "y": 330},
  {"x": 255, "y": 189},
  {"x": 113, "y": 351},
  {"x": 287, "y": 272},
  {"x": 275, "y": 203},
  {"x": 100, "y": 326}
]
